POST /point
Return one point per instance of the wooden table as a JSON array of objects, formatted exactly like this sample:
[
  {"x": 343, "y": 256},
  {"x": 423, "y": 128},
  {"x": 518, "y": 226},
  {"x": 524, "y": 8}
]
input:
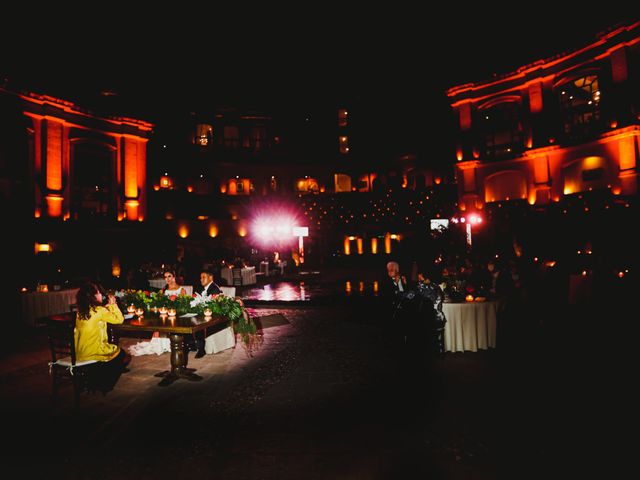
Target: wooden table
[{"x": 176, "y": 327}]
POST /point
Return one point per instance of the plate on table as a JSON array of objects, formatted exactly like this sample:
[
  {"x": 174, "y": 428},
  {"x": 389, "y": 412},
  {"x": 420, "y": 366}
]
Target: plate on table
[{"x": 128, "y": 315}]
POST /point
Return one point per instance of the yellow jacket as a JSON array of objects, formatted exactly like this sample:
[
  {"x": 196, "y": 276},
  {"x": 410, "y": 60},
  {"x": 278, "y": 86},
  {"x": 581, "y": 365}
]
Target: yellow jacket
[{"x": 90, "y": 335}]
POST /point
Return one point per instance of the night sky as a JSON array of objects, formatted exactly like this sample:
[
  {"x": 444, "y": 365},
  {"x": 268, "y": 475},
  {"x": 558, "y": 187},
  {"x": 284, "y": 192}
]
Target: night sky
[{"x": 400, "y": 61}]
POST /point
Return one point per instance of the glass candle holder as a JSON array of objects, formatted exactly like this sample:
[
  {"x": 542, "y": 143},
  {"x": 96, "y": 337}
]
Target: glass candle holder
[
  {"x": 172, "y": 312},
  {"x": 207, "y": 312},
  {"x": 139, "y": 312},
  {"x": 131, "y": 309},
  {"x": 162, "y": 310},
  {"x": 469, "y": 298}
]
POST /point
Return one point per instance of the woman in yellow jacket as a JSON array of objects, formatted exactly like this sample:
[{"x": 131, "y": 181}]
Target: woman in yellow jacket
[{"x": 91, "y": 338}]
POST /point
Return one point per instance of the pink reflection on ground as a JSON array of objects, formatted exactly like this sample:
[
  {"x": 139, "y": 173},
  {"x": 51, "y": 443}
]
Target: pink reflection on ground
[{"x": 305, "y": 291}]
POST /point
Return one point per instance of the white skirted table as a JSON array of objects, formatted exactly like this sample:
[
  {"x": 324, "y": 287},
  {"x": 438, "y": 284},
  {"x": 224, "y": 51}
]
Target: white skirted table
[
  {"x": 471, "y": 326},
  {"x": 42, "y": 304},
  {"x": 247, "y": 276}
]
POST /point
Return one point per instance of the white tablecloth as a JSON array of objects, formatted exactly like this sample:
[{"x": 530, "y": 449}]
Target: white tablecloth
[
  {"x": 157, "y": 282},
  {"x": 248, "y": 275},
  {"x": 219, "y": 341},
  {"x": 471, "y": 326},
  {"x": 41, "y": 304}
]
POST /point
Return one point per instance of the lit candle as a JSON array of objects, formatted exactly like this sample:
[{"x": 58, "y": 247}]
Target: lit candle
[
  {"x": 139, "y": 312},
  {"x": 207, "y": 312},
  {"x": 131, "y": 309},
  {"x": 469, "y": 298},
  {"x": 172, "y": 312},
  {"x": 163, "y": 310}
]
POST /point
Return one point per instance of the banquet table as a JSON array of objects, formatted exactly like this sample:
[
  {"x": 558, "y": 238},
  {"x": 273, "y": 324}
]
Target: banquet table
[
  {"x": 471, "y": 326},
  {"x": 247, "y": 275},
  {"x": 41, "y": 304},
  {"x": 157, "y": 282}
]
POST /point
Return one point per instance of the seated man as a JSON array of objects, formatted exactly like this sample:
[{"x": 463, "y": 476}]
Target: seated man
[
  {"x": 196, "y": 342},
  {"x": 208, "y": 285}
]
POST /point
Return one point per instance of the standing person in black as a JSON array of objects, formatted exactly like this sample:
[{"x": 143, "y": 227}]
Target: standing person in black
[{"x": 399, "y": 298}]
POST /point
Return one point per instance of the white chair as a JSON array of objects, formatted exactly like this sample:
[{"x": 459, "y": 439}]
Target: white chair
[
  {"x": 228, "y": 291},
  {"x": 219, "y": 341},
  {"x": 189, "y": 289}
]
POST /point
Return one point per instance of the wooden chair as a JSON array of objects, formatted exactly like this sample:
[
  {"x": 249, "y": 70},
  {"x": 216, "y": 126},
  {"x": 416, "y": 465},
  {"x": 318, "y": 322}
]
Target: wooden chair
[{"x": 63, "y": 364}]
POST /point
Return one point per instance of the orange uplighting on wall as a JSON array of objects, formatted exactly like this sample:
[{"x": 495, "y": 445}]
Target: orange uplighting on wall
[
  {"x": 43, "y": 248},
  {"x": 342, "y": 117},
  {"x": 541, "y": 170},
  {"x": 437, "y": 181},
  {"x": 239, "y": 186},
  {"x": 131, "y": 170},
  {"x": 343, "y": 144},
  {"x": 535, "y": 97},
  {"x": 189, "y": 188},
  {"x": 166, "y": 182},
  {"x": 347, "y": 246},
  {"x": 627, "y": 153},
  {"x": 374, "y": 245},
  {"x": 459, "y": 154},
  {"x": 341, "y": 183},
  {"x": 242, "y": 230},
  {"x": 55, "y": 140},
  {"x": 465, "y": 117},
  {"x": 359, "y": 245},
  {"x": 156, "y": 187},
  {"x": 54, "y": 205},
  {"x": 387, "y": 243},
  {"x": 223, "y": 189},
  {"x": 37, "y": 213},
  {"x": 131, "y": 209},
  {"x": 213, "y": 230},
  {"x": 183, "y": 230},
  {"x": 116, "y": 270},
  {"x": 376, "y": 287}
]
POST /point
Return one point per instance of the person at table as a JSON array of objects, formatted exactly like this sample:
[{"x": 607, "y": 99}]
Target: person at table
[
  {"x": 209, "y": 287},
  {"x": 91, "y": 338},
  {"x": 431, "y": 300},
  {"x": 172, "y": 287}
]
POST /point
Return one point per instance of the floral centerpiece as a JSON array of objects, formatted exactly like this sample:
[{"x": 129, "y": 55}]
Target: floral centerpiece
[{"x": 231, "y": 308}]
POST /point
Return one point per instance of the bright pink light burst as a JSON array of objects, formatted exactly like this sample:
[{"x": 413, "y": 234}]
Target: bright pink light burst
[{"x": 274, "y": 230}]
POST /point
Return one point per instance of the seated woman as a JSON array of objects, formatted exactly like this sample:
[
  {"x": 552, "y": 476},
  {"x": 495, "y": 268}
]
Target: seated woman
[
  {"x": 172, "y": 287},
  {"x": 90, "y": 335}
]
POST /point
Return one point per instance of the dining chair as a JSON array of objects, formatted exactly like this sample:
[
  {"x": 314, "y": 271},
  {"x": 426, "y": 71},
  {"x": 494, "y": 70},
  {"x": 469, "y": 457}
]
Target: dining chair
[{"x": 64, "y": 364}]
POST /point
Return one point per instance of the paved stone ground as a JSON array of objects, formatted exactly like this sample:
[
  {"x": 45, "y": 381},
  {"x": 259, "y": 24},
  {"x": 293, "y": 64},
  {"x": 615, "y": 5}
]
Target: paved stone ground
[{"x": 331, "y": 395}]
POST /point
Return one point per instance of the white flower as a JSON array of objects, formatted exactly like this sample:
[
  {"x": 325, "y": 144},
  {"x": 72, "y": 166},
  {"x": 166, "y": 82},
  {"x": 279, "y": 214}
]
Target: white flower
[{"x": 199, "y": 298}]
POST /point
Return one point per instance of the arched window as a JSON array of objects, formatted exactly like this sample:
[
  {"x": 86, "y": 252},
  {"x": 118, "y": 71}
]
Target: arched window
[
  {"x": 506, "y": 185},
  {"x": 501, "y": 126},
  {"x": 580, "y": 106},
  {"x": 92, "y": 186},
  {"x": 204, "y": 135}
]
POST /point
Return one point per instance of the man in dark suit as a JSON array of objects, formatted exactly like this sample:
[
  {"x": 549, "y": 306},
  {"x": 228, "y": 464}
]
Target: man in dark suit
[
  {"x": 196, "y": 342},
  {"x": 208, "y": 285}
]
